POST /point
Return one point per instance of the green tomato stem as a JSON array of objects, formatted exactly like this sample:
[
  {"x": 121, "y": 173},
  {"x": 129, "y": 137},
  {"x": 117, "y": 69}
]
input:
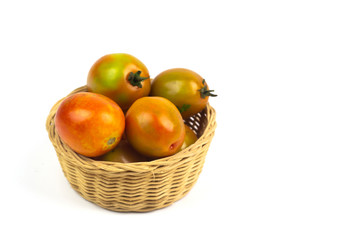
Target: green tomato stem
[
  {"x": 135, "y": 79},
  {"x": 204, "y": 92},
  {"x": 184, "y": 107}
]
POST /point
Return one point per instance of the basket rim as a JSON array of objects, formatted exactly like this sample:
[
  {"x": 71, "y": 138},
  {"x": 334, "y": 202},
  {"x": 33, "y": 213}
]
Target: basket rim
[{"x": 149, "y": 166}]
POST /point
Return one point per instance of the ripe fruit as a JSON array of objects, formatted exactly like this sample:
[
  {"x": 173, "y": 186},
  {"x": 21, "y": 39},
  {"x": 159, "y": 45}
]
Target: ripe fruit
[
  {"x": 89, "y": 123},
  {"x": 154, "y": 127}
]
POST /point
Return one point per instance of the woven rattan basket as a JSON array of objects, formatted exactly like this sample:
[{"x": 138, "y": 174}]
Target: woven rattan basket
[{"x": 141, "y": 186}]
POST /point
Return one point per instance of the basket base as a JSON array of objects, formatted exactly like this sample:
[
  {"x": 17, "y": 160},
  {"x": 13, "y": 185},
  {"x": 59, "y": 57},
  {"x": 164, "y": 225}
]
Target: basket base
[{"x": 135, "y": 208}]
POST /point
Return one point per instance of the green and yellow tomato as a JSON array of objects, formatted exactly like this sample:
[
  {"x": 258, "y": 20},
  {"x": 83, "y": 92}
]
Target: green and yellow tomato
[
  {"x": 190, "y": 137},
  {"x": 154, "y": 127},
  {"x": 121, "y": 77},
  {"x": 183, "y": 87}
]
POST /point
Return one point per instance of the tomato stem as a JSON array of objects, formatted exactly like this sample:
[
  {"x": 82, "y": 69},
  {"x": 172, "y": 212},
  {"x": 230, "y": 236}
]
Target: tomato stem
[
  {"x": 204, "y": 92},
  {"x": 184, "y": 107},
  {"x": 135, "y": 79}
]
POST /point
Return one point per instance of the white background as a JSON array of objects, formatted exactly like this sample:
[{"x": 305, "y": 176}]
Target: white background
[{"x": 284, "y": 163}]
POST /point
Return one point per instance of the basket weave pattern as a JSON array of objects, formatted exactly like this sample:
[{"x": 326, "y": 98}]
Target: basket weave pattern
[{"x": 141, "y": 186}]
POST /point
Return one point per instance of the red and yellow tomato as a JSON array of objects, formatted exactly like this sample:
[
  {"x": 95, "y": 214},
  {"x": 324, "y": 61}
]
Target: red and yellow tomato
[
  {"x": 154, "y": 127},
  {"x": 89, "y": 123}
]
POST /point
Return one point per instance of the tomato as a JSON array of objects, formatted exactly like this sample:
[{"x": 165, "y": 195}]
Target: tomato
[
  {"x": 183, "y": 87},
  {"x": 89, "y": 123},
  {"x": 154, "y": 127},
  {"x": 124, "y": 153},
  {"x": 121, "y": 77},
  {"x": 190, "y": 137}
]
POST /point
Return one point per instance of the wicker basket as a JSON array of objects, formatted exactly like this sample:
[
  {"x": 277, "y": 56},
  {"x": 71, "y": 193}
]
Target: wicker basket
[{"x": 136, "y": 187}]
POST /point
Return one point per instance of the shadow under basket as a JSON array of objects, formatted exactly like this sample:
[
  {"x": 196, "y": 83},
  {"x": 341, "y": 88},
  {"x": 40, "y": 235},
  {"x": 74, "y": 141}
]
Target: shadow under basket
[{"x": 140, "y": 186}]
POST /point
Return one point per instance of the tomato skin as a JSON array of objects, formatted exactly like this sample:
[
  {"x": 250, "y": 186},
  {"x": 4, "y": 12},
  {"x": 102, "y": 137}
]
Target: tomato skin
[
  {"x": 190, "y": 137},
  {"x": 123, "y": 153},
  {"x": 154, "y": 127},
  {"x": 182, "y": 87},
  {"x": 89, "y": 123},
  {"x": 109, "y": 76}
]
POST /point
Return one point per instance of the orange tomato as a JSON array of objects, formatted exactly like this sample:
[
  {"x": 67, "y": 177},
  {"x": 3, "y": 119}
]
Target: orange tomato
[
  {"x": 89, "y": 123},
  {"x": 190, "y": 137},
  {"x": 154, "y": 127}
]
